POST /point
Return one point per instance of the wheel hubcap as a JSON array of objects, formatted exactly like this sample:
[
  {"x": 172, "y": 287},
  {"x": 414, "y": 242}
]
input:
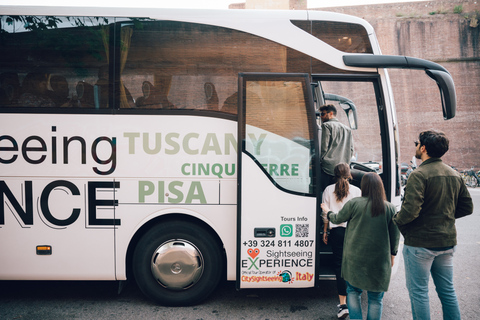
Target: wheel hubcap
[{"x": 177, "y": 264}]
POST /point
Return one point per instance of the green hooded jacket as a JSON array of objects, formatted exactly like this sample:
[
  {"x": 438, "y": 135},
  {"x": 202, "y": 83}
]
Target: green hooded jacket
[{"x": 369, "y": 244}]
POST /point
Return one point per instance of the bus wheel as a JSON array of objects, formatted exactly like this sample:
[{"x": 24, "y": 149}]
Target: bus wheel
[{"x": 177, "y": 263}]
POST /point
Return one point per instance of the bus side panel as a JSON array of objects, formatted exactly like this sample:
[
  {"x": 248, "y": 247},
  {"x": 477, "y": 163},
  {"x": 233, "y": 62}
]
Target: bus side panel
[
  {"x": 194, "y": 174},
  {"x": 285, "y": 259},
  {"x": 80, "y": 182},
  {"x": 221, "y": 218},
  {"x": 42, "y": 212}
]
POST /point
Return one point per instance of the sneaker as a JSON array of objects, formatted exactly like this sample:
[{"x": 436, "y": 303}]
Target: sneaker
[{"x": 342, "y": 311}]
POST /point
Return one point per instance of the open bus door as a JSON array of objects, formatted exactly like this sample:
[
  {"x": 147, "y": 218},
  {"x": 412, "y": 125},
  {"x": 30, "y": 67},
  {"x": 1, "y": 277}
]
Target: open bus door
[{"x": 277, "y": 198}]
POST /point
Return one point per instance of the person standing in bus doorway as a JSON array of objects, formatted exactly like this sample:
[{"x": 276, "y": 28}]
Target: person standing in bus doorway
[
  {"x": 435, "y": 195},
  {"x": 335, "y": 196},
  {"x": 371, "y": 243},
  {"x": 336, "y": 144}
]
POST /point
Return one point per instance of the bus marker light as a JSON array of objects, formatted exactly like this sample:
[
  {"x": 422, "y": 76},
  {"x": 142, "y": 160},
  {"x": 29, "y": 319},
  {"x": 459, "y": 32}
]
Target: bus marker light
[{"x": 44, "y": 250}]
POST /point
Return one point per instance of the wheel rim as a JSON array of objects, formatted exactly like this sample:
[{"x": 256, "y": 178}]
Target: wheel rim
[
  {"x": 471, "y": 181},
  {"x": 177, "y": 264}
]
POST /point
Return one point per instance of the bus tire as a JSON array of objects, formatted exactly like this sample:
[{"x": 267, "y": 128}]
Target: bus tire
[{"x": 177, "y": 263}]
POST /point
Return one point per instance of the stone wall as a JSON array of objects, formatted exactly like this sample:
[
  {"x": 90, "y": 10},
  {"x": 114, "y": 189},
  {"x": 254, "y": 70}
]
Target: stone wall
[{"x": 436, "y": 31}]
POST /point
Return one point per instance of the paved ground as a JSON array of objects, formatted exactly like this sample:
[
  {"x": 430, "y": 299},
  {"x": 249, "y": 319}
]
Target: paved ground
[{"x": 99, "y": 300}]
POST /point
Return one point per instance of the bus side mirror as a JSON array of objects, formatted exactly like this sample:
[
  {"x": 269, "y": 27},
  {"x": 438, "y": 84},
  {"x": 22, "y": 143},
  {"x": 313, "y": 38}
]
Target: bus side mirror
[
  {"x": 447, "y": 92},
  {"x": 318, "y": 95},
  {"x": 434, "y": 70},
  {"x": 352, "y": 118},
  {"x": 348, "y": 106}
]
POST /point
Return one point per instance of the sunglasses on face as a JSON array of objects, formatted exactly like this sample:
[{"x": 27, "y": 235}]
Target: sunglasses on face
[{"x": 416, "y": 143}]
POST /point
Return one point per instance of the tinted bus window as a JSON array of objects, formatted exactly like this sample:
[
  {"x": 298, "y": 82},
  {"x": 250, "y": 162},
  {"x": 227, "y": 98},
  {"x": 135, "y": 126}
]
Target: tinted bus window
[
  {"x": 175, "y": 65},
  {"x": 54, "y": 62}
]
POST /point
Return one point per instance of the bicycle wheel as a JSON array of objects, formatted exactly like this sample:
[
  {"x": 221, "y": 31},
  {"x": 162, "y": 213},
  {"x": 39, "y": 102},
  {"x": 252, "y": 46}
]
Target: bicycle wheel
[{"x": 471, "y": 181}]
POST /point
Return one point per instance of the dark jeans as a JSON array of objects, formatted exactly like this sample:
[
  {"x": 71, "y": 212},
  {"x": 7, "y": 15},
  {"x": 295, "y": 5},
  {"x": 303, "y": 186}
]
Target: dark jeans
[{"x": 336, "y": 238}]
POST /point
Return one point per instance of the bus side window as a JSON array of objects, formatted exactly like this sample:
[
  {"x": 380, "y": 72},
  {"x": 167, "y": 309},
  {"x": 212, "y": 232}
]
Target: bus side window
[
  {"x": 60, "y": 91},
  {"x": 155, "y": 96},
  {"x": 35, "y": 91},
  {"x": 150, "y": 96},
  {"x": 230, "y": 104},
  {"x": 163, "y": 83},
  {"x": 9, "y": 89},
  {"x": 85, "y": 94},
  {"x": 211, "y": 96},
  {"x": 49, "y": 58}
]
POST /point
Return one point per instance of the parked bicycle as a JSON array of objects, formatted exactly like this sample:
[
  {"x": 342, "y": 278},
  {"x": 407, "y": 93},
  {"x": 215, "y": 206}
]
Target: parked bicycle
[{"x": 472, "y": 178}]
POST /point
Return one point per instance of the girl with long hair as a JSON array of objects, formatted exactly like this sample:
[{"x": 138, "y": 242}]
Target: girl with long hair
[
  {"x": 335, "y": 196},
  {"x": 371, "y": 243}
]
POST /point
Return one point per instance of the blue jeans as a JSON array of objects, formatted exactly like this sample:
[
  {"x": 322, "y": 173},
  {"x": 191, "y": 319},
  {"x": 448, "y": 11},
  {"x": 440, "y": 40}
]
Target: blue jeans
[
  {"x": 375, "y": 303},
  {"x": 419, "y": 264}
]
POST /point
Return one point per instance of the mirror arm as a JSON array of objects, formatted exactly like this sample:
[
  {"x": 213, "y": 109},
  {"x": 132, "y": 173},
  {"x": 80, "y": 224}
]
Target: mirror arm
[{"x": 435, "y": 71}]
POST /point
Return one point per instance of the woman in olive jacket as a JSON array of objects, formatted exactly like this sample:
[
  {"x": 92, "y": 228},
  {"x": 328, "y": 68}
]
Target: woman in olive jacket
[{"x": 371, "y": 243}]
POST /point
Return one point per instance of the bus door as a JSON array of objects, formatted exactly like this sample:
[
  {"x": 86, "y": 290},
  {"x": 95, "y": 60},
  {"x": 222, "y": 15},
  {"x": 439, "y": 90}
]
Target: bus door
[
  {"x": 361, "y": 105},
  {"x": 276, "y": 226}
]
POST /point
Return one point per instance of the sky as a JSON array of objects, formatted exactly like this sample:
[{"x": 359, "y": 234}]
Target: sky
[{"x": 192, "y": 4}]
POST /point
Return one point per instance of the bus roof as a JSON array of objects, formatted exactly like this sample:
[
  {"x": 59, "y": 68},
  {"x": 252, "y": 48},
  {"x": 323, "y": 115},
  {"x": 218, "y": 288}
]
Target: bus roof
[
  {"x": 270, "y": 24},
  {"x": 204, "y": 15}
]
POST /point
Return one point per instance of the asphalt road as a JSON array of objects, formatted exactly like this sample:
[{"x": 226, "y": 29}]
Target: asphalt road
[{"x": 100, "y": 300}]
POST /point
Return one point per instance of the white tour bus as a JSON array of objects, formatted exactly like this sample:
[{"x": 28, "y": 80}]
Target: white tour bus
[{"x": 181, "y": 147}]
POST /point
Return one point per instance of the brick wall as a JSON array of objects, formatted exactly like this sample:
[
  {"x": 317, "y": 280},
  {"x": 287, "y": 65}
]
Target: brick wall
[{"x": 431, "y": 30}]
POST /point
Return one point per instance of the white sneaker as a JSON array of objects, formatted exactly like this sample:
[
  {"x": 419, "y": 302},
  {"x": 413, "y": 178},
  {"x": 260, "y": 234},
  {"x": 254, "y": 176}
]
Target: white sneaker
[{"x": 342, "y": 311}]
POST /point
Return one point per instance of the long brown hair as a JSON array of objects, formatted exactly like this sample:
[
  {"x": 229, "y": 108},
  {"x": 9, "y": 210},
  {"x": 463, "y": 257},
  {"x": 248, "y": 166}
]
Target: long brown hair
[
  {"x": 342, "y": 174},
  {"x": 372, "y": 188}
]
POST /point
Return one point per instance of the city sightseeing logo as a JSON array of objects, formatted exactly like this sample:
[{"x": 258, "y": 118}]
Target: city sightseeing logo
[{"x": 286, "y": 276}]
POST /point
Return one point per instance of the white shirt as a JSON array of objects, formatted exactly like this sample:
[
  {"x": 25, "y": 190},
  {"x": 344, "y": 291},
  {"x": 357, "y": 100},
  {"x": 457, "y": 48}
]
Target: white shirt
[{"x": 330, "y": 199}]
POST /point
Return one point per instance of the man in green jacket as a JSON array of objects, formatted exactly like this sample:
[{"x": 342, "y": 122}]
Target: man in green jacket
[{"x": 435, "y": 195}]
